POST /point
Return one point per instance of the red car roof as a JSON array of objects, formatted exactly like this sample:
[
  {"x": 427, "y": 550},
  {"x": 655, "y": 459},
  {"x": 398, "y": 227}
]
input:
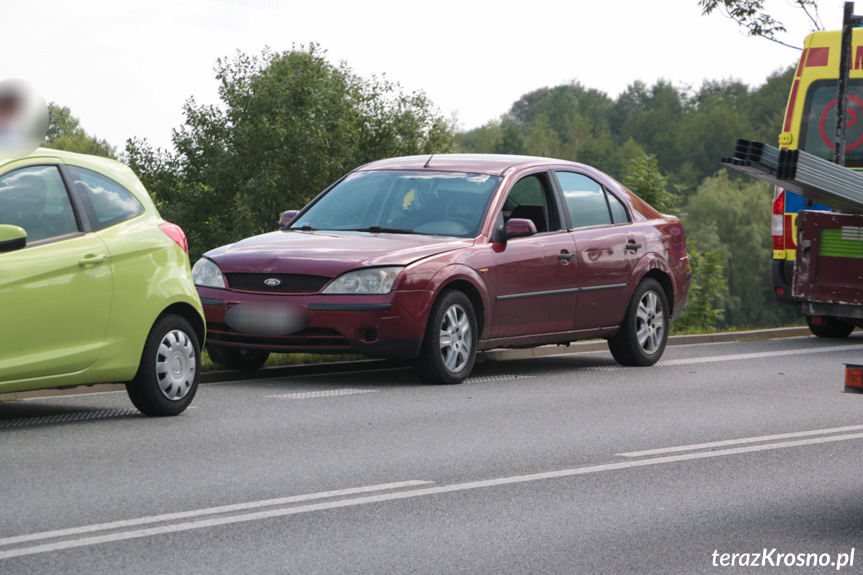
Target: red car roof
[{"x": 491, "y": 164}]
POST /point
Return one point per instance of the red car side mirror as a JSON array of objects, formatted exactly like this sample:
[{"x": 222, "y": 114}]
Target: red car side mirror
[
  {"x": 287, "y": 217},
  {"x": 517, "y": 228}
]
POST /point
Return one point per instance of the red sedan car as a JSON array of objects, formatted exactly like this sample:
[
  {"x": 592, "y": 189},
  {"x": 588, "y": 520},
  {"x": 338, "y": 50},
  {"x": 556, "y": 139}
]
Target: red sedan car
[{"x": 433, "y": 258}]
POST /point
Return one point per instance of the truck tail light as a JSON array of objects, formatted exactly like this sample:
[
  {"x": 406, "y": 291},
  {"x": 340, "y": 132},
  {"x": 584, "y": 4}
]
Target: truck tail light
[
  {"x": 777, "y": 222},
  {"x": 854, "y": 377},
  {"x": 176, "y": 233}
]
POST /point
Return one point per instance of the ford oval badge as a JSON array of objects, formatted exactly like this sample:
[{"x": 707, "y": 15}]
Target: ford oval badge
[{"x": 272, "y": 282}]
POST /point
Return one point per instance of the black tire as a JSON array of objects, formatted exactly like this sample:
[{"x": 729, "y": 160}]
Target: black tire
[
  {"x": 831, "y": 328},
  {"x": 644, "y": 331},
  {"x": 237, "y": 358},
  {"x": 170, "y": 368},
  {"x": 448, "y": 350}
]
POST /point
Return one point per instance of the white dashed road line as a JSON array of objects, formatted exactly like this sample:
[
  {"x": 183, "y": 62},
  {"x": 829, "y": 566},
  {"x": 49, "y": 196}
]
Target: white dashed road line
[
  {"x": 118, "y": 531},
  {"x": 325, "y": 393}
]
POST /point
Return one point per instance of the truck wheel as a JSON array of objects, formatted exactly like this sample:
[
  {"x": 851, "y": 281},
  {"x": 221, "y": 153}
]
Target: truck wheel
[
  {"x": 832, "y": 327},
  {"x": 237, "y": 358},
  {"x": 449, "y": 347},
  {"x": 644, "y": 331},
  {"x": 170, "y": 367}
]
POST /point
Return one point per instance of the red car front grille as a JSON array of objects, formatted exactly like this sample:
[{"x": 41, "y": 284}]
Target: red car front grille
[{"x": 277, "y": 283}]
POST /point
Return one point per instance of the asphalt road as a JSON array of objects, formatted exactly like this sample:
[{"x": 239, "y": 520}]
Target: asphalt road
[{"x": 565, "y": 464}]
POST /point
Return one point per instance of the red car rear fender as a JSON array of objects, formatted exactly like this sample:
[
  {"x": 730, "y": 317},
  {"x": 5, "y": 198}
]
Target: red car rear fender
[{"x": 654, "y": 265}]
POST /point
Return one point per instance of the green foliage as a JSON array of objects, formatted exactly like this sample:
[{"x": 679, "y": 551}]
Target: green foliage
[
  {"x": 289, "y": 124},
  {"x": 750, "y": 15},
  {"x": 510, "y": 140},
  {"x": 65, "y": 133},
  {"x": 652, "y": 118},
  {"x": 711, "y": 132},
  {"x": 707, "y": 290},
  {"x": 644, "y": 179},
  {"x": 732, "y": 219},
  {"x": 708, "y": 286},
  {"x": 486, "y": 138},
  {"x": 687, "y": 131}
]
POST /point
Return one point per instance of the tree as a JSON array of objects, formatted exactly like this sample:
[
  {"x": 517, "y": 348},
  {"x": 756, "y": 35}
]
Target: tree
[
  {"x": 289, "y": 124},
  {"x": 511, "y": 140},
  {"x": 485, "y": 139},
  {"x": 644, "y": 179},
  {"x": 718, "y": 116},
  {"x": 750, "y": 15},
  {"x": 732, "y": 218},
  {"x": 766, "y": 105},
  {"x": 707, "y": 290},
  {"x": 652, "y": 117},
  {"x": 65, "y": 133}
]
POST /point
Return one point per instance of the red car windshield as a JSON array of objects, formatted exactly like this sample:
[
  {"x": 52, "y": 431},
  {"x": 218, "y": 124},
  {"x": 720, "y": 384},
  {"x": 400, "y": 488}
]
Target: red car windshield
[{"x": 418, "y": 202}]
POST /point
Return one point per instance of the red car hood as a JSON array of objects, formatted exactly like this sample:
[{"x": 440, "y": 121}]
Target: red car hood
[{"x": 328, "y": 253}]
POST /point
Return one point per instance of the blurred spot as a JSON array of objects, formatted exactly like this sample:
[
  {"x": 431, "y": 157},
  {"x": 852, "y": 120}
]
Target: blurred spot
[
  {"x": 266, "y": 318},
  {"x": 23, "y": 118}
]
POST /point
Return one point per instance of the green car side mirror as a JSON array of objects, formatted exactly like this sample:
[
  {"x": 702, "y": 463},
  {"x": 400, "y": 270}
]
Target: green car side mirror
[{"x": 12, "y": 238}]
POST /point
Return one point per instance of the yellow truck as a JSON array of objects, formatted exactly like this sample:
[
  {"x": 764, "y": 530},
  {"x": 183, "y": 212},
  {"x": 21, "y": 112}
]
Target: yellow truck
[{"x": 826, "y": 282}]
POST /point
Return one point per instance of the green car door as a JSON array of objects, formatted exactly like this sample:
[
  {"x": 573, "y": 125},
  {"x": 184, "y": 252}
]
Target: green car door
[{"x": 55, "y": 292}]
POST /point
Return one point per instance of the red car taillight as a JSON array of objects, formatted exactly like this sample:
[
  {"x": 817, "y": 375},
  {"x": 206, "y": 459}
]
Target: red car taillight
[
  {"x": 777, "y": 226},
  {"x": 176, "y": 233}
]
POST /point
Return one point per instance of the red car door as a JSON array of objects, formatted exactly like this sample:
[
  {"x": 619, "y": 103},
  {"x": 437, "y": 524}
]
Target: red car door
[
  {"x": 536, "y": 277},
  {"x": 607, "y": 246},
  {"x": 536, "y": 285},
  {"x": 606, "y": 257}
]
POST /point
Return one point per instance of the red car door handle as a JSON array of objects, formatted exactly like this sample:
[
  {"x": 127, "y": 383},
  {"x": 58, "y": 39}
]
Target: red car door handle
[
  {"x": 633, "y": 246},
  {"x": 565, "y": 256}
]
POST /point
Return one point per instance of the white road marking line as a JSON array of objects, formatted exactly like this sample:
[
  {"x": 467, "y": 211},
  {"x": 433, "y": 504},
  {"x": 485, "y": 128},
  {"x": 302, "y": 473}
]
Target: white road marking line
[
  {"x": 735, "y": 357},
  {"x": 744, "y": 440},
  {"x": 428, "y": 491},
  {"x": 208, "y": 511},
  {"x": 326, "y": 393}
]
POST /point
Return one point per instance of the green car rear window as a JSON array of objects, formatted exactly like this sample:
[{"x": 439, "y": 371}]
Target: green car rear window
[{"x": 108, "y": 203}]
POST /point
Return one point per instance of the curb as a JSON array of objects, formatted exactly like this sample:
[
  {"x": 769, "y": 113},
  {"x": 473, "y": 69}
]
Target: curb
[
  {"x": 373, "y": 364},
  {"x": 602, "y": 345}
]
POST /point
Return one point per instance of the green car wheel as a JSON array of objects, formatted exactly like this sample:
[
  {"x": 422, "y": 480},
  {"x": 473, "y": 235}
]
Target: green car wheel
[{"x": 167, "y": 378}]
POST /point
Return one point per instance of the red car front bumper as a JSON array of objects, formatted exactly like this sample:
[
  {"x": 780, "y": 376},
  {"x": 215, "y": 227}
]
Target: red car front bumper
[{"x": 387, "y": 326}]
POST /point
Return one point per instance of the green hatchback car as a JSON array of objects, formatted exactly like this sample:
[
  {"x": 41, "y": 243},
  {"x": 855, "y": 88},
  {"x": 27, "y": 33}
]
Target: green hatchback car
[{"x": 95, "y": 286}]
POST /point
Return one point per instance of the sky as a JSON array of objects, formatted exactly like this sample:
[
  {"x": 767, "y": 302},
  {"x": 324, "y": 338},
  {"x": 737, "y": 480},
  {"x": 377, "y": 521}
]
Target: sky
[{"x": 125, "y": 69}]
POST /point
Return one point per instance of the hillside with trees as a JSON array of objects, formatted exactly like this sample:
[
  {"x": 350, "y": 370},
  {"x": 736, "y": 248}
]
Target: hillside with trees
[{"x": 289, "y": 124}]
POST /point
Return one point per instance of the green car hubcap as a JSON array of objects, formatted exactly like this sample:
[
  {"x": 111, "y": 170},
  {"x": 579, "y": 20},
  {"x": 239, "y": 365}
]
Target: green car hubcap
[{"x": 175, "y": 365}]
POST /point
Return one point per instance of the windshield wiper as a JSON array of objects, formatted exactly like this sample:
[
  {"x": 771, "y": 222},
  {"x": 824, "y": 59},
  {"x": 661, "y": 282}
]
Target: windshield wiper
[{"x": 381, "y": 230}]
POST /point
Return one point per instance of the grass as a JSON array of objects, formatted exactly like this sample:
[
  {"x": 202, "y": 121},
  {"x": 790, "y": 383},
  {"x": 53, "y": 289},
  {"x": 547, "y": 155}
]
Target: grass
[{"x": 732, "y": 329}]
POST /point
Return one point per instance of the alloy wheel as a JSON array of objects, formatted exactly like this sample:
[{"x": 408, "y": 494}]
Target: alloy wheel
[
  {"x": 456, "y": 339},
  {"x": 650, "y": 323}
]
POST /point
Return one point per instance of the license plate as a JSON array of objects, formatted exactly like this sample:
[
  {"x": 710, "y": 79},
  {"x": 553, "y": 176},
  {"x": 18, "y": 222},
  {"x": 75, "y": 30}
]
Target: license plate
[{"x": 266, "y": 318}]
